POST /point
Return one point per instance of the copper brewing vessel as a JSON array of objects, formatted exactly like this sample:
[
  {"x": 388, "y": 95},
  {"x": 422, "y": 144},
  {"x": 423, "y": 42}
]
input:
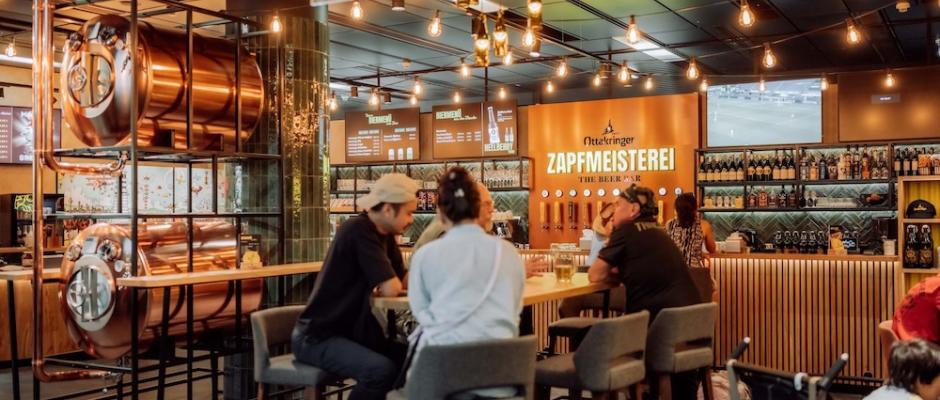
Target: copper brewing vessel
[
  {"x": 97, "y": 79},
  {"x": 98, "y": 312}
]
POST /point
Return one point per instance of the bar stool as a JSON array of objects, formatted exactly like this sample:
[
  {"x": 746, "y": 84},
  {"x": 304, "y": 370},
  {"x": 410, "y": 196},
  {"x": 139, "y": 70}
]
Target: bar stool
[
  {"x": 888, "y": 337},
  {"x": 574, "y": 328},
  {"x": 609, "y": 360},
  {"x": 273, "y": 327},
  {"x": 680, "y": 340},
  {"x": 441, "y": 372}
]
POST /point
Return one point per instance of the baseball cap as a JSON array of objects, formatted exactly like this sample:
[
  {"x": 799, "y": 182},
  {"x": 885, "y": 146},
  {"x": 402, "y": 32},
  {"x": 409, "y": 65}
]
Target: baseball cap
[
  {"x": 390, "y": 188},
  {"x": 644, "y": 197}
]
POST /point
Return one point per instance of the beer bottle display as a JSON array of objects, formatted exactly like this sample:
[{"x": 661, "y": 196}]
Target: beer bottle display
[
  {"x": 925, "y": 253},
  {"x": 911, "y": 248}
]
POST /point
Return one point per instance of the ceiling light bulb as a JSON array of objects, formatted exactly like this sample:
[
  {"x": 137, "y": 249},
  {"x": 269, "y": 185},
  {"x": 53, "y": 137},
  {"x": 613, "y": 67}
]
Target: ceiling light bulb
[
  {"x": 333, "y": 104},
  {"x": 852, "y": 35},
  {"x": 889, "y": 79},
  {"x": 434, "y": 27},
  {"x": 507, "y": 59},
  {"x": 549, "y": 87},
  {"x": 10, "y": 50},
  {"x": 648, "y": 85},
  {"x": 481, "y": 39},
  {"x": 824, "y": 83},
  {"x": 456, "y": 97},
  {"x": 693, "y": 72},
  {"x": 398, "y": 5},
  {"x": 535, "y": 7},
  {"x": 746, "y": 16},
  {"x": 703, "y": 87},
  {"x": 417, "y": 86},
  {"x": 624, "y": 74},
  {"x": 414, "y": 100},
  {"x": 356, "y": 10},
  {"x": 464, "y": 69},
  {"x": 276, "y": 26},
  {"x": 762, "y": 85},
  {"x": 536, "y": 47},
  {"x": 769, "y": 59},
  {"x": 597, "y": 80},
  {"x": 499, "y": 30},
  {"x": 562, "y": 69},
  {"x": 482, "y": 44},
  {"x": 528, "y": 39},
  {"x": 502, "y": 93},
  {"x": 633, "y": 33},
  {"x": 354, "y": 91},
  {"x": 374, "y": 98}
]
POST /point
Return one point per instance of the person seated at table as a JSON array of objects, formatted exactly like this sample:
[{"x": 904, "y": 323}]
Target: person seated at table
[
  {"x": 919, "y": 313},
  {"x": 572, "y": 306},
  {"x": 642, "y": 257},
  {"x": 913, "y": 372},
  {"x": 337, "y": 331},
  {"x": 467, "y": 285}
]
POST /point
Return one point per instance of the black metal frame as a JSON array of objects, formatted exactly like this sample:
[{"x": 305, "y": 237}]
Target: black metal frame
[{"x": 189, "y": 157}]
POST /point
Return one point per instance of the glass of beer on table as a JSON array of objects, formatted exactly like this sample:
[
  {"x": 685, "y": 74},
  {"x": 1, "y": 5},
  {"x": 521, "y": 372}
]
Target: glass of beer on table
[{"x": 563, "y": 263}]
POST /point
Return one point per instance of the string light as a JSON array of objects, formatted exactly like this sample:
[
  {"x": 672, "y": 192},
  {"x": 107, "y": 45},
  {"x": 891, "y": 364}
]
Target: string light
[
  {"x": 824, "y": 83},
  {"x": 703, "y": 87},
  {"x": 536, "y": 47},
  {"x": 692, "y": 73},
  {"x": 648, "y": 85},
  {"x": 354, "y": 91},
  {"x": 333, "y": 104},
  {"x": 852, "y": 34},
  {"x": 528, "y": 39},
  {"x": 414, "y": 100},
  {"x": 562, "y": 69},
  {"x": 549, "y": 87},
  {"x": 464, "y": 69},
  {"x": 769, "y": 59},
  {"x": 356, "y": 10},
  {"x": 746, "y": 16},
  {"x": 456, "y": 97},
  {"x": 507, "y": 59},
  {"x": 624, "y": 74},
  {"x": 11, "y": 48},
  {"x": 276, "y": 25},
  {"x": 535, "y": 7},
  {"x": 398, "y": 5},
  {"x": 481, "y": 37},
  {"x": 502, "y": 92},
  {"x": 889, "y": 79},
  {"x": 500, "y": 35},
  {"x": 417, "y": 86},
  {"x": 374, "y": 98},
  {"x": 597, "y": 79},
  {"x": 762, "y": 85},
  {"x": 434, "y": 27},
  {"x": 633, "y": 34}
]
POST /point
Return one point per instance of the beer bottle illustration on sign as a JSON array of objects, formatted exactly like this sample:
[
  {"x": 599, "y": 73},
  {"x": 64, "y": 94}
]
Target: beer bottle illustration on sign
[{"x": 492, "y": 128}]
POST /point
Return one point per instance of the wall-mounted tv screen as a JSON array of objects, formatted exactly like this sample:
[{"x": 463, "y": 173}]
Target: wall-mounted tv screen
[{"x": 785, "y": 112}]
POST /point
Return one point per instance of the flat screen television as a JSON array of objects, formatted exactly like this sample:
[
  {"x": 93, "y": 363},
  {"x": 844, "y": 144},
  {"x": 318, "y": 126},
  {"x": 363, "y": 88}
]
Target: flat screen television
[{"x": 786, "y": 112}]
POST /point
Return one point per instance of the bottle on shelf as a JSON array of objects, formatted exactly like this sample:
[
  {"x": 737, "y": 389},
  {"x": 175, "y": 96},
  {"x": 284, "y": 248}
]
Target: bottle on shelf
[
  {"x": 823, "y": 168},
  {"x": 911, "y": 247},
  {"x": 925, "y": 257},
  {"x": 833, "y": 166},
  {"x": 812, "y": 247},
  {"x": 885, "y": 173},
  {"x": 804, "y": 168},
  {"x": 912, "y": 163},
  {"x": 898, "y": 171},
  {"x": 802, "y": 200},
  {"x": 845, "y": 164},
  {"x": 775, "y": 167},
  {"x": 923, "y": 162},
  {"x": 767, "y": 173},
  {"x": 813, "y": 169},
  {"x": 793, "y": 200},
  {"x": 752, "y": 199},
  {"x": 762, "y": 198},
  {"x": 865, "y": 164},
  {"x": 782, "y": 198},
  {"x": 791, "y": 168},
  {"x": 739, "y": 170},
  {"x": 751, "y": 170}
]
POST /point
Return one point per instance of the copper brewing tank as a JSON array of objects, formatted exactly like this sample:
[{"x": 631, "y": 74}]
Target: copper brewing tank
[
  {"x": 96, "y": 79},
  {"x": 98, "y": 312}
]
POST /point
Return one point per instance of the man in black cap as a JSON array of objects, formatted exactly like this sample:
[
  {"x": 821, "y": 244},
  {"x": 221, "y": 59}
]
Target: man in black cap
[{"x": 642, "y": 257}]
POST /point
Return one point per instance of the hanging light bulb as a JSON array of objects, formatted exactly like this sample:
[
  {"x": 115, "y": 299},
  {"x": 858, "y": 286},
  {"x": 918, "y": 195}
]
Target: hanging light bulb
[
  {"x": 387, "y": 97},
  {"x": 692, "y": 73},
  {"x": 703, "y": 87},
  {"x": 374, "y": 98},
  {"x": 354, "y": 91},
  {"x": 889, "y": 79},
  {"x": 413, "y": 100},
  {"x": 417, "y": 86},
  {"x": 507, "y": 59},
  {"x": 536, "y": 48},
  {"x": 648, "y": 85},
  {"x": 633, "y": 33},
  {"x": 464, "y": 69},
  {"x": 824, "y": 83},
  {"x": 481, "y": 39},
  {"x": 746, "y": 16},
  {"x": 434, "y": 27},
  {"x": 333, "y": 104},
  {"x": 762, "y": 85},
  {"x": 276, "y": 25},
  {"x": 11, "y": 48},
  {"x": 562, "y": 69},
  {"x": 500, "y": 35},
  {"x": 356, "y": 10},
  {"x": 852, "y": 35},
  {"x": 528, "y": 38},
  {"x": 398, "y": 5},
  {"x": 597, "y": 79},
  {"x": 624, "y": 74},
  {"x": 502, "y": 93},
  {"x": 549, "y": 87},
  {"x": 535, "y": 7},
  {"x": 769, "y": 60},
  {"x": 456, "y": 97}
]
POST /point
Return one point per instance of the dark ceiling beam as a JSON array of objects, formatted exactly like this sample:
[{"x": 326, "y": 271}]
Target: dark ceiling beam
[
  {"x": 870, "y": 42},
  {"x": 799, "y": 31},
  {"x": 886, "y": 22},
  {"x": 349, "y": 22},
  {"x": 717, "y": 39}
]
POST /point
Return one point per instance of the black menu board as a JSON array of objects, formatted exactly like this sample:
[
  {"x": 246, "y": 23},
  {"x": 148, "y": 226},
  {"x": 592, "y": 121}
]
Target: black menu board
[
  {"x": 16, "y": 134},
  {"x": 386, "y": 135},
  {"x": 474, "y": 130}
]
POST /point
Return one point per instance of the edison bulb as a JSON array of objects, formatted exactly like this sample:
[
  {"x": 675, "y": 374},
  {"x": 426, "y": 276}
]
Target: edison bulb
[
  {"x": 633, "y": 33},
  {"x": 692, "y": 72},
  {"x": 418, "y": 87},
  {"x": 824, "y": 84},
  {"x": 889, "y": 80},
  {"x": 703, "y": 87},
  {"x": 746, "y": 17},
  {"x": 374, "y": 98},
  {"x": 624, "y": 74},
  {"x": 597, "y": 80},
  {"x": 535, "y": 6},
  {"x": 648, "y": 85},
  {"x": 769, "y": 59},
  {"x": 528, "y": 39},
  {"x": 549, "y": 87},
  {"x": 456, "y": 97},
  {"x": 502, "y": 93},
  {"x": 762, "y": 85},
  {"x": 434, "y": 27},
  {"x": 414, "y": 100},
  {"x": 507, "y": 59},
  {"x": 356, "y": 10},
  {"x": 562, "y": 69},
  {"x": 464, "y": 70}
]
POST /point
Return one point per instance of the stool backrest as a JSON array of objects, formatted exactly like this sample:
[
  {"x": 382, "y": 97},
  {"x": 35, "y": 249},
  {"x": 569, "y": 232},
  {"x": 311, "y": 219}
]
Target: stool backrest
[
  {"x": 682, "y": 334},
  {"x": 888, "y": 337},
  {"x": 271, "y": 327},
  {"x": 609, "y": 344},
  {"x": 446, "y": 370}
]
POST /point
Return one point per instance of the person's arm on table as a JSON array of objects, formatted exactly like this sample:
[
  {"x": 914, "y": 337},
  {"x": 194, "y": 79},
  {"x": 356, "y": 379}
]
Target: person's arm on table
[
  {"x": 535, "y": 266},
  {"x": 602, "y": 270}
]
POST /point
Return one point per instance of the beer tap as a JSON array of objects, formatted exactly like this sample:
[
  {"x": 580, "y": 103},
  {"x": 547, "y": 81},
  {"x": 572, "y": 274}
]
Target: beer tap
[
  {"x": 556, "y": 215},
  {"x": 573, "y": 215},
  {"x": 543, "y": 215}
]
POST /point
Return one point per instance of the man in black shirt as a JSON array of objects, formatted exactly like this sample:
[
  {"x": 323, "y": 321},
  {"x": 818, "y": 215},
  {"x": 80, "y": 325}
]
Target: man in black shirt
[
  {"x": 337, "y": 332},
  {"x": 642, "y": 257}
]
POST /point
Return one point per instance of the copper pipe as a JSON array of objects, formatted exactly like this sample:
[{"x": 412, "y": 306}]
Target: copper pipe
[{"x": 42, "y": 111}]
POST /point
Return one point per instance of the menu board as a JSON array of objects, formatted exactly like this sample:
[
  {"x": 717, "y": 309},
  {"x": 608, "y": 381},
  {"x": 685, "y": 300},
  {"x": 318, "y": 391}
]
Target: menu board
[
  {"x": 16, "y": 134},
  {"x": 474, "y": 130},
  {"x": 386, "y": 135}
]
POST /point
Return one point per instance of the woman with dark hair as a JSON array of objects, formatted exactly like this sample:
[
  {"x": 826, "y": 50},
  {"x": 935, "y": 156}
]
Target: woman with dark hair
[
  {"x": 689, "y": 232},
  {"x": 914, "y": 372},
  {"x": 467, "y": 285}
]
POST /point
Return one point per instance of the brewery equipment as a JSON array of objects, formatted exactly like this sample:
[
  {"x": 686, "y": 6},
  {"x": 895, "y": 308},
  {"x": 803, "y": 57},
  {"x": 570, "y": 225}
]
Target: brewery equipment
[
  {"x": 97, "y": 78},
  {"x": 98, "y": 312}
]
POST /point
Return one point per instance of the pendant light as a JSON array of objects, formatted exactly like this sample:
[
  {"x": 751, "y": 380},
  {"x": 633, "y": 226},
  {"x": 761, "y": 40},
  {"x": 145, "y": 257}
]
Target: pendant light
[
  {"x": 417, "y": 86},
  {"x": 549, "y": 87},
  {"x": 464, "y": 69},
  {"x": 413, "y": 100},
  {"x": 356, "y": 10},
  {"x": 502, "y": 93},
  {"x": 500, "y": 35},
  {"x": 276, "y": 25},
  {"x": 534, "y": 51},
  {"x": 889, "y": 79},
  {"x": 624, "y": 74},
  {"x": 528, "y": 38},
  {"x": 434, "y": 27},
  {"x": 649, "y": 84},
  {"x": 746, "y": 16},
  {"x": 703, "y": 86},
  {"x": 457, "y": 97},
  {"x": 597, "y": 79},
  {"x": 852, "y": 35},
  {"x": 11, "y": 48},
  {"x": 535, "y": 7},
  {"x": 374, "y": 98},
  {"x": 507, "y": 59},
  {"x": 562, "y": 70},
  {"x": 354, "y": 91},
  {"x": 398, "y": 5},
  {"x": 333, "y": 104},
  {"x": 769, "y": 59},
  {"x": 692, "y": 73},
  {"x": 633, "y": 33}
]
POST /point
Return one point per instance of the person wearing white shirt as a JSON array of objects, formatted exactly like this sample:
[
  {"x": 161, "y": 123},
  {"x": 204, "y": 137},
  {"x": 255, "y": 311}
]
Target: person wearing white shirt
[{"x": 467, "y": 285}]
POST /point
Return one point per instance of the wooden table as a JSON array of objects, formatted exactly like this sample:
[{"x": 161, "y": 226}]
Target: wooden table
[
  {"x": 537, "y": 290},
  {"x": 196, "y": 278}
]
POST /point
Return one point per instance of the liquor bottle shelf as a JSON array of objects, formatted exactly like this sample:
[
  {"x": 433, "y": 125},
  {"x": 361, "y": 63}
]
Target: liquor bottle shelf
[
  {"x": 848, "y": 182},
  {"x": 920, "y": 220},
  {"x": 797, "y": 209},
  {"x": 798, "y": 182}
]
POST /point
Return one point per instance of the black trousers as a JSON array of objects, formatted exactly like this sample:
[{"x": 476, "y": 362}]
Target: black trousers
[{"x": 374, "y": 372}]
